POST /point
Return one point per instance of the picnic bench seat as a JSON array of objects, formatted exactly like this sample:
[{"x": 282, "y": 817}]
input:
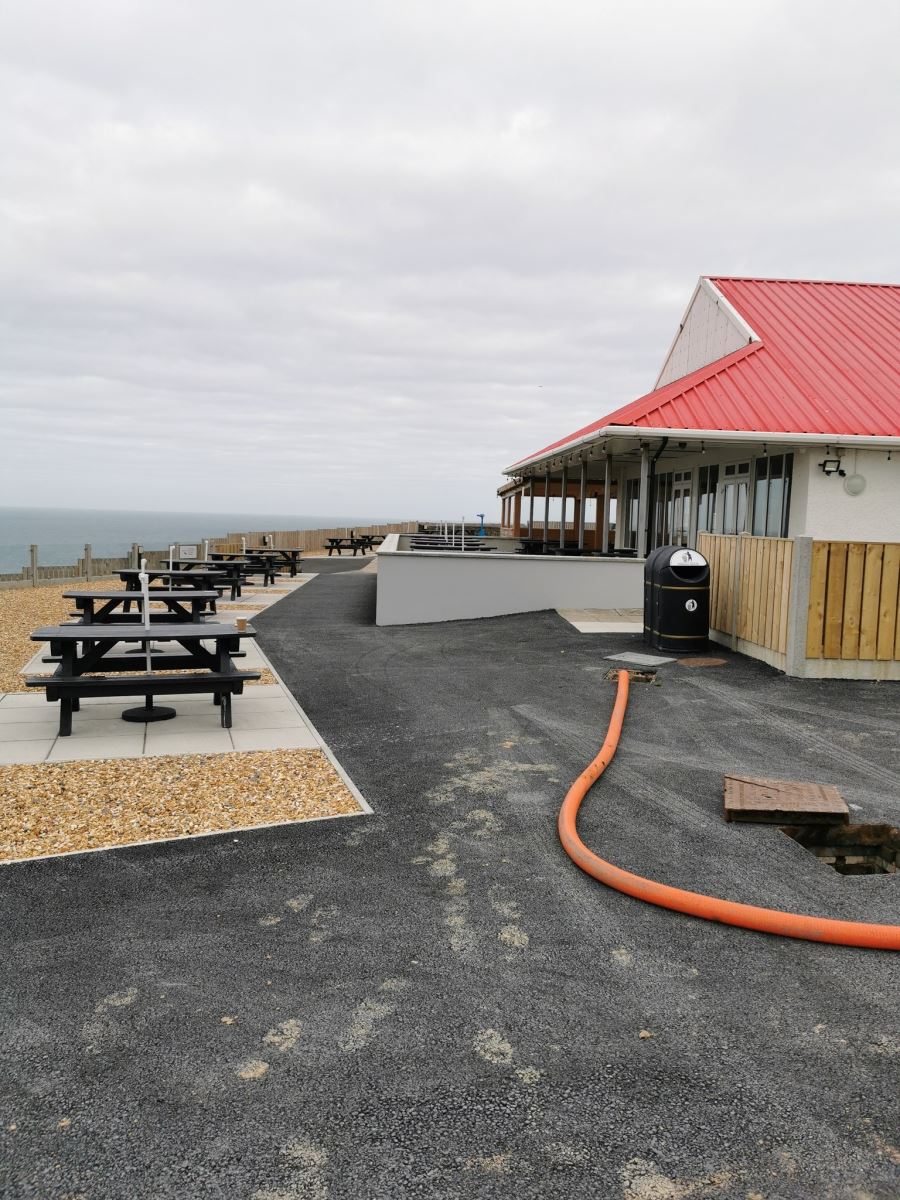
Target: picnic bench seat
[{"x": 70, "y": 689}]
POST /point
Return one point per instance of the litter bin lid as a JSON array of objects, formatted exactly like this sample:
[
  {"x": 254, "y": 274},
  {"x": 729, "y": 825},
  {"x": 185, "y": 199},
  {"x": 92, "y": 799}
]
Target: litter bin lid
[{"x": 687, "y": 558}]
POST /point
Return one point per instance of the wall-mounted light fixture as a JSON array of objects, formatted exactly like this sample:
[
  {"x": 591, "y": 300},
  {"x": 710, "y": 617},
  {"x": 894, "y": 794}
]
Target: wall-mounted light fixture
[
  {"x": 854, "y": 485},
  {"x": 832, "y": 466}
]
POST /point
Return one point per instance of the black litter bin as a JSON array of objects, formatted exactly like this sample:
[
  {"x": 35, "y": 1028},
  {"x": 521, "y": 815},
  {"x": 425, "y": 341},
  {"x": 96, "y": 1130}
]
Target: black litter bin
[{"x": 676, "y": 599}]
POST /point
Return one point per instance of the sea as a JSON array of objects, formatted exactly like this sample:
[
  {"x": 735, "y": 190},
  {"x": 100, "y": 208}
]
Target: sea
[{"x": 61, "y": 533}]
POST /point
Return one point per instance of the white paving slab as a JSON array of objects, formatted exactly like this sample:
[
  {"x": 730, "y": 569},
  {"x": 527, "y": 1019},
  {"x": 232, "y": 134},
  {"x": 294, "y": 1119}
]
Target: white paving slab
[
  {"x": 640, "y": 660},
  {"x": 608, "y": 626},
  {"x": 23, "y": 752}
]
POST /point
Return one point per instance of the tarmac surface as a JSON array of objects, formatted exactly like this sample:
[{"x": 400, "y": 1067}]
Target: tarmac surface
[{"x": 433, "y": 1001}]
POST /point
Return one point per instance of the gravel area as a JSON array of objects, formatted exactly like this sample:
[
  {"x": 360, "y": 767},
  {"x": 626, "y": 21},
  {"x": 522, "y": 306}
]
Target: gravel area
[
  {"x": 25, "y": 609},
  {"x": 55, "y": 808}
]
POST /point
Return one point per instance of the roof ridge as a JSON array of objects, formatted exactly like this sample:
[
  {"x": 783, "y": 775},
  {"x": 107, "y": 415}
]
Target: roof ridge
[{"x": 805, "y": 282}]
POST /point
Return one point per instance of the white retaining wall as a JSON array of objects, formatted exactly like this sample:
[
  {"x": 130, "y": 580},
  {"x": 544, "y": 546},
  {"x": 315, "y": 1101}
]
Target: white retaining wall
[{"x": 422, "y": 586}]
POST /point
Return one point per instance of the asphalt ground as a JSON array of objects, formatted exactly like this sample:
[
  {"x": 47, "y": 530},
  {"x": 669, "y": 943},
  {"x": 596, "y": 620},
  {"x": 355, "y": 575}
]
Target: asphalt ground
[{"x": 433, "y": 1001}]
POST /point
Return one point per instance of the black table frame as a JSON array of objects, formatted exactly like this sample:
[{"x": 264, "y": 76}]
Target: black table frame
[{"x": 175, "y": 602}]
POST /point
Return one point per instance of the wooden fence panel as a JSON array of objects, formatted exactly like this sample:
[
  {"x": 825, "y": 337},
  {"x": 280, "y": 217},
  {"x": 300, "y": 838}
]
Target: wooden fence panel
[
  {"x": 750, "y": 585},
  {"x": 854, "y": 601}
]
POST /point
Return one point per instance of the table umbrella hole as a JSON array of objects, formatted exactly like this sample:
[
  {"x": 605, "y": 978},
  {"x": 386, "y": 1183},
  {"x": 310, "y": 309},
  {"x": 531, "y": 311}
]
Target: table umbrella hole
[{"x": 851, "y": 849}]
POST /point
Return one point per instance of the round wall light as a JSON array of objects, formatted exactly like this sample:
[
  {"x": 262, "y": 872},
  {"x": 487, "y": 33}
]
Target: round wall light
[{"x": 855, "y": 485}]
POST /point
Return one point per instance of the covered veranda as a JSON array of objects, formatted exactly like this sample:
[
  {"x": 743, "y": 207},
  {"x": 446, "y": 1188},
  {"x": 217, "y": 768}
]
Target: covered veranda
[{"x": 609, "y": 494}]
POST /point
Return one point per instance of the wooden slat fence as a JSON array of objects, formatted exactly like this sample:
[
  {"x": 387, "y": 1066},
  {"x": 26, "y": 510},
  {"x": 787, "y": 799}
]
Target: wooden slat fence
[
  {"x": 750, "y": 587},
  {"x": 89, "y": 567},
  {"x": 854, "y": 601},
  {"x": 305, "y": 539}
]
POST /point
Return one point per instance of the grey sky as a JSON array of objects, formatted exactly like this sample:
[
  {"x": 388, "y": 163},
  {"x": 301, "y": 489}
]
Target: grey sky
[{"x": 357, "y": 257}]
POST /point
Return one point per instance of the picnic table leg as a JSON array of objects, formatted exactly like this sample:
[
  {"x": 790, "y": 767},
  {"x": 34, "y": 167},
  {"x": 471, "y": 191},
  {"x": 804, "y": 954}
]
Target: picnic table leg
[
  {"x": 226, "y": 710},
  {"x": 65, "y": 716}
]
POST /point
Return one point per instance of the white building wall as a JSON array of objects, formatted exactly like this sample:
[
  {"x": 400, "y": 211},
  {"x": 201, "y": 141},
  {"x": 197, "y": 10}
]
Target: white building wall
[
  {"x": 709, "y": 331},
  {"x": 823, "y": 509}
]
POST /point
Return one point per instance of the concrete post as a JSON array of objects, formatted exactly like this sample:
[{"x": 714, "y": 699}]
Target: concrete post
[
  {"x": 34, "y": 566},
  {"x": 88, "y": 562},
  {"x": 798, "y": 607},
  {"x": 564, "y": 497},
  {"x": 607, "y": 490}
]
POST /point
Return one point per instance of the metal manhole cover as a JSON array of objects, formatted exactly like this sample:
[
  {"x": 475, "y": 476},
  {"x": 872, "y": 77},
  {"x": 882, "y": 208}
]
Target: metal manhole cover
[
  {"x": 702, "y": 662},
  {"x": 781, "y": 800}
]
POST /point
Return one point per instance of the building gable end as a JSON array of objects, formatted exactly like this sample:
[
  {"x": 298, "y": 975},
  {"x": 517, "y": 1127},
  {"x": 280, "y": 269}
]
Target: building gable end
[{"x": 710, "y": 330}]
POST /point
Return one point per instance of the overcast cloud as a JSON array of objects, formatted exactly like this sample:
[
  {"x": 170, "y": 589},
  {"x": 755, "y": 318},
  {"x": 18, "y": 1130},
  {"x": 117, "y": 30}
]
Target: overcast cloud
[{"x": 357, "y": 257}]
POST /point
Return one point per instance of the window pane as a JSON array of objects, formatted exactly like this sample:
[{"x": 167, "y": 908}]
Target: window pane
[
  {"x": 743, "y": 489},
  {"x": 760, "y": 497},
  {"x": 776, "y": 497}
]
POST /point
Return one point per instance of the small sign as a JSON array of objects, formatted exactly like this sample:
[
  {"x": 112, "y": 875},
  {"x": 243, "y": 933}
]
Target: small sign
[
  {"x": 691, "y": 605},
  {"x": 189, "y": 551},
  {"x": 687, "y": 558}
]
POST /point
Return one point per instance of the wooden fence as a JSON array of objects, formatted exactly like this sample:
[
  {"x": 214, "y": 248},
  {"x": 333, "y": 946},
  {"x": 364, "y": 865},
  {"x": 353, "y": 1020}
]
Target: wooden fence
[
  {"x": 305, "y": 539},
  {"x": 33, "y": 574},
  {"x": 750, "y": 587},
  {"x": 854, "y": 601}
]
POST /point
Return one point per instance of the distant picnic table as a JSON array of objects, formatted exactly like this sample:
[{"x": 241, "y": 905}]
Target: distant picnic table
[
  {"x": 288, "y": 555},
  {"x": 207, "y": 579},
  {"x": 238, "y": 568},
  {"x": 359, "y": 545}
]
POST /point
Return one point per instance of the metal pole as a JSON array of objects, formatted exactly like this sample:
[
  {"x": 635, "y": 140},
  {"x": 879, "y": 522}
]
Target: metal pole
[
  {"x": 564, "y": 496},
  {"x": 643, "y": 504},
  {"x": 546, "y": 510},
  {"x": 607, "y": 497},
  {"x": 582, "y": 504},
  {"x": 462, "y": 534},
  {"x": 530, "y": 507}
]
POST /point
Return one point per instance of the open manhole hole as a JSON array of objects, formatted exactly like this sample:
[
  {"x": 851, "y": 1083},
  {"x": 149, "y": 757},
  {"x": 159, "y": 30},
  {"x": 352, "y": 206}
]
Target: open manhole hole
[
  {"x": 851, "y": 849},
  {"x": 634, "y": 676}
]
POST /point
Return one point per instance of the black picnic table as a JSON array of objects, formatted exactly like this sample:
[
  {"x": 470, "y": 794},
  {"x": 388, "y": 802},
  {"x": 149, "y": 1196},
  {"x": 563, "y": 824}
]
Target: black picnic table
[
  {"x": 237, "y": 569},
  {"x": 81, "y": 653},
  {"x": 206, "y": 580},
  {"x": 288, "y": 555},
  {"x": 102, "y": 607},
  {"x": 346, "y": 543}
]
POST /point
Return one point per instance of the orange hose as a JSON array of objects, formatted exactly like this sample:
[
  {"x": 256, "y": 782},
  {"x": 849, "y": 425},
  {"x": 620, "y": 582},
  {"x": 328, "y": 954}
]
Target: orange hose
[{"x": 695, "y": 904}]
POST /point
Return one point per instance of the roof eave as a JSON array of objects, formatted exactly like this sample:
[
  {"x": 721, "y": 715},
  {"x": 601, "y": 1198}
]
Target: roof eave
[{"x": 642, "y": 433}]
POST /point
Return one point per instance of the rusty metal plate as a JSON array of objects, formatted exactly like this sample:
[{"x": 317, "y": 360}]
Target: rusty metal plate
[
  {"x": 702, "y": 661},
  {"x": 782, "y": 800}
]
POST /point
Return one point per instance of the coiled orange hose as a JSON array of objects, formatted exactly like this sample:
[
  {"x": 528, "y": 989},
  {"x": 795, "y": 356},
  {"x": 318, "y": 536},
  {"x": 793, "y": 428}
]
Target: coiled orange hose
[{"x": 695, "y": 904}]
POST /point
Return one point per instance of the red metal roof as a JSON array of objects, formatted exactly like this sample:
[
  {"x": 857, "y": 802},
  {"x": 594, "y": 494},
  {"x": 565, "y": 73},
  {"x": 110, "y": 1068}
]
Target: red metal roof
[{"x": 828, "y": 361}]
